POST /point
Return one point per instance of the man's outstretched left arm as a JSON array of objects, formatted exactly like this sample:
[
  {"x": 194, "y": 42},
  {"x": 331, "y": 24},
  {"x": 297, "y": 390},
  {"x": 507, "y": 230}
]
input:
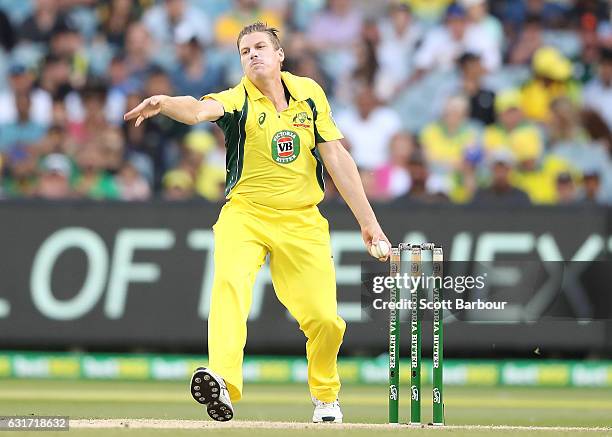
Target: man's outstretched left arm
[{"x": 340, "y": 165}]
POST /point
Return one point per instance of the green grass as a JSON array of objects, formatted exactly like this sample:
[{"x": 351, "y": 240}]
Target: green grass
[{"x": 366, "y": 404}]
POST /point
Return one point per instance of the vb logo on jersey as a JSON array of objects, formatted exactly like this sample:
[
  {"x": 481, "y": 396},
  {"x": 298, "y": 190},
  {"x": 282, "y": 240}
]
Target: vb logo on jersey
[{"x": 285, "y": 146}]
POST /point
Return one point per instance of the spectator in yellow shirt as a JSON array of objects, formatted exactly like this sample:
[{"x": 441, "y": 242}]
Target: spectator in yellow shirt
[
  {"x": 512, "y": 131},
  {"x": 538, "y": 177},
  {"x": 445, "y": 141},
  {"x": 552, "y": 78}
]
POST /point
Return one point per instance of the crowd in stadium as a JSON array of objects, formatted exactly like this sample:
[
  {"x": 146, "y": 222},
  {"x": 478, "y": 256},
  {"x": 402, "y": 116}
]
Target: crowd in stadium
[{"x": 470, "y": 102}]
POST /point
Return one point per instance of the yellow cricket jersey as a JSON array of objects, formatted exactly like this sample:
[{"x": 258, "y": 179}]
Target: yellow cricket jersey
[{"x": 271, "y": 156}]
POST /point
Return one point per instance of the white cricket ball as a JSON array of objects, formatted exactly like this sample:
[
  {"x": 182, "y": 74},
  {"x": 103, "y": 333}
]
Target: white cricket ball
[{"x": 380, "y": 249}]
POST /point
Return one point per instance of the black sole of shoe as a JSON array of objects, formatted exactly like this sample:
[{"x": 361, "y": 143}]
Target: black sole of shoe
[
  {"x": 220, "y": 412},
  {"x": 206, "y": 390}
]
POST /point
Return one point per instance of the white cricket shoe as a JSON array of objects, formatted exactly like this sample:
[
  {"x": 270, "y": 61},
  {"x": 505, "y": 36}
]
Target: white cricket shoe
[
  {"x": 209, "y": 389},
  {"x": 326, "y": 411}
]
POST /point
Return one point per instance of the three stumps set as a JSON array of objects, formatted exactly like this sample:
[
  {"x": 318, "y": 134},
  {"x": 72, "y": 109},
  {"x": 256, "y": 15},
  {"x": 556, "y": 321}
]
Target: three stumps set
[{"x": 416, "y": 335}]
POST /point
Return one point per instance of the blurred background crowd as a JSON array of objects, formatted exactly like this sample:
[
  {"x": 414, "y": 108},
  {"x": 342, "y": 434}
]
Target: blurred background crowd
[{"x": 469, "y": 102}]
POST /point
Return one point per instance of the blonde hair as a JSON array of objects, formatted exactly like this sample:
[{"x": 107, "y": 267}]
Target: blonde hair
[{"x": 259, "y": 26}]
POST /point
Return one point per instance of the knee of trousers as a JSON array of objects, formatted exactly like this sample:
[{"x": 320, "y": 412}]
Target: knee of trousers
[{"x": 328, "y": 326}]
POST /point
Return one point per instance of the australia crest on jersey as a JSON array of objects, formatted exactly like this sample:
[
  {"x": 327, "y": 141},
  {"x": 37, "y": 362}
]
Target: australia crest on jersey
[{"x": 302, "y": 119}]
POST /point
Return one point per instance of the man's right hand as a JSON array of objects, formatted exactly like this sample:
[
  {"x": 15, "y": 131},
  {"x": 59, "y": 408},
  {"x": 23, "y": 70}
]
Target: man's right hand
[{"x": 148, "y": 108}]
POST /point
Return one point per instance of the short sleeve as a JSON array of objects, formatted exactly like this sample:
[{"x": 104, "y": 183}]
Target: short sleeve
[
  {"x": 228, "y": 99},
  {"x": 325, "y": 126}
]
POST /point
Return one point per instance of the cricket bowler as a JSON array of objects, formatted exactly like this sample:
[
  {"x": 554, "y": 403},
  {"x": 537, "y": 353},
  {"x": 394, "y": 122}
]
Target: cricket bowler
[{"x": 279, "y": 135}]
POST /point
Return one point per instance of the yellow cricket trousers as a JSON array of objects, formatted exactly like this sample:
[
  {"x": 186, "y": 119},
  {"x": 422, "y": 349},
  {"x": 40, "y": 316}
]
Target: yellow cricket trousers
[{"x": 304, "y": 280}]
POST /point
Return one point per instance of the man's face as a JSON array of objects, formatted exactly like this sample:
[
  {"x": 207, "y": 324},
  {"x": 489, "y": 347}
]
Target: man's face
[
  {"x": 418, "y": 173},
  {"x": 175, "y": 9},
  {"x": 501, "y": 174},
  {"x": 400, "y": 17},
  {"x": 365, "y": 101},
  {"x": 22, "y": 82},
  {"x": 511, "y": 117},
  {"x": 473, "y": 69},
  {"x": 456, "y": 26},
  {"x": 258, "y": 56}
]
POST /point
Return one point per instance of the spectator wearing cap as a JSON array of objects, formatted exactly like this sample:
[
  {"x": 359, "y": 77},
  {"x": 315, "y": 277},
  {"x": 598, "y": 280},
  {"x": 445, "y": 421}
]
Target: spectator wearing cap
[
  {"x": 195, "y": 145},
  {"x": 39, "y": 26},
  {"x": 567, "y": 193},
  {"x": 210, "y": 180},
  {"x": 500, "y": 191},
  {"x": 445, "y": 141},
  {"x": 163, "y": 19},
  {"x": 443, "y": 45},
  {"x": 21, "y": 81},
  {"x": 24, "y": 131},
  {"x": 537, "y": 175},
  {"x": 552, "y": 78},
  {"x": 178, "y": 185},
  {"x": 21, "y": 175},
  {"x": 481, "y": 98},
  {"x": 194, "y": 74},
  {"x": 399, "y": 35},
  {"x": 598, "y": 92},
  {"x": 512, "y": 131},
  {"x": 368, "y": 128},
  {"x": 54, "y": 179},
  {"x": 592, "y": 192}
]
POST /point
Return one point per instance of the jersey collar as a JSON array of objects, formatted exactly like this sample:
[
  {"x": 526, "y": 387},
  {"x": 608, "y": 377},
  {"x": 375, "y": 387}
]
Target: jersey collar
[{"x": 287, "y": 78}]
